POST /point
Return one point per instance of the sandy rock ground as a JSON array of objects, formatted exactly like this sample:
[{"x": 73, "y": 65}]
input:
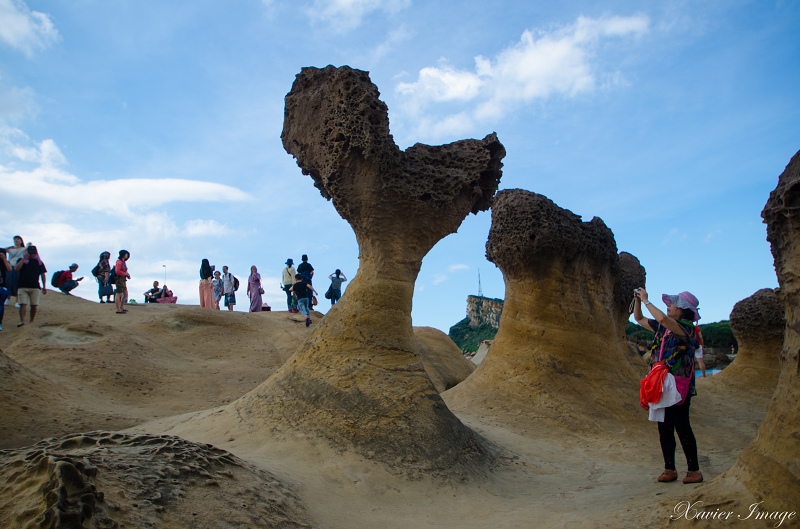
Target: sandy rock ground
[{"x": 164, "y": 375}]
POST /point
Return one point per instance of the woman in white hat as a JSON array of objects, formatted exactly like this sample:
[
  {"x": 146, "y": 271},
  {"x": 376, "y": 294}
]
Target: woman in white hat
[{"x": 674, "y": 344}]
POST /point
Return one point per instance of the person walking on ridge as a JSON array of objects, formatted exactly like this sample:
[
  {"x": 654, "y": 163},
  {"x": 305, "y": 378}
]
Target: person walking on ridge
[{"x": 288, "y": 281}]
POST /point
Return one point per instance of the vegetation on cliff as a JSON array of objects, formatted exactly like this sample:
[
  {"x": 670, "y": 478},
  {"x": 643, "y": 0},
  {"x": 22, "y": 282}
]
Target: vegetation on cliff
[
  {"x": 469, "y": 338},
  {"x": 717, "y": 334}
]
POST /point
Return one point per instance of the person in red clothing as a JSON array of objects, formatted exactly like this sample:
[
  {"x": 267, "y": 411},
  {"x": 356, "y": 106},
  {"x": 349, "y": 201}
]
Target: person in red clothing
[
  {"x": 65, "y": 281},
  {"x": 121, "y": 277}
]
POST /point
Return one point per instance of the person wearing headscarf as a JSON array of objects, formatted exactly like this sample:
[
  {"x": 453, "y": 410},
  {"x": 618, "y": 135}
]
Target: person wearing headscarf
[
  {"x": 254, "y": 290},
  {"x": 206, "y": 288},
  {"x": 674, "y": 345},
  {"x": 104, "y": 289}
]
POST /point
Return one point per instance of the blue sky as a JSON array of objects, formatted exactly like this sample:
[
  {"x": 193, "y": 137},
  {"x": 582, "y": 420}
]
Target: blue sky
[{"x": 155, "y": 127}]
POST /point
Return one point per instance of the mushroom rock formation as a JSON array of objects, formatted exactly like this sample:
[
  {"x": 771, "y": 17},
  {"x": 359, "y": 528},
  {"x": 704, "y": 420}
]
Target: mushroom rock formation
[
  {"x": 560, "y": 354},
  {"x": 357, "y": 380},
  {"x": 759, "y": 325}
]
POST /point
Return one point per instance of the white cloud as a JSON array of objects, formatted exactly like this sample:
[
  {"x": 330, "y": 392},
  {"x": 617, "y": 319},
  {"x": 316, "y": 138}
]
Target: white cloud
[
  {"x": 346, "y": 15},
  {"x": 46, "y": 181},
  {"x": 438, "y": 278},
  {"x": 205, "y": 228},
  {"x": 25, "y": 30},
  {"x": 540, "y": 65},
  {"x": 457, "y": 267},
  {"x": 16, "y": 103},
  {"x": 393, "y": 39}
]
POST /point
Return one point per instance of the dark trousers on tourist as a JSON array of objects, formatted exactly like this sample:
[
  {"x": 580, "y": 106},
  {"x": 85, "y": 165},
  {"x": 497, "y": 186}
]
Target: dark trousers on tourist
[{"x": 676, "y": 419}]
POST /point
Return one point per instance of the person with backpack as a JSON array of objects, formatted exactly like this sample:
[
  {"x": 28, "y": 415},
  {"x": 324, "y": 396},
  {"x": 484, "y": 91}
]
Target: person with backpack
[
  {"x": 674, "y": 345},
  {"x": 121, "y": 277},
  {"x": 229, "y": 286},
  {"x": 307, "y": 271},
  {"x": 335, "y": 290},
  {"x": 64, "y": 281},
  {"x": 102, "y": 273},
  {"x": 30, "y": 269}
]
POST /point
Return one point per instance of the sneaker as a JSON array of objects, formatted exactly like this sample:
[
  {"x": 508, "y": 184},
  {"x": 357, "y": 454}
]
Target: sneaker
[
  {"x": 668, "y": 475},
  {"x": 308, "y": 322},
  {"x": 694, "y": 476},
  {"x": 20, "y": 324}
]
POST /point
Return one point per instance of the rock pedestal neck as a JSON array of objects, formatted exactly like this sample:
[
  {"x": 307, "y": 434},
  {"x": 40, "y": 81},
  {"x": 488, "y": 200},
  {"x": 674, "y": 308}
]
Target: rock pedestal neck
[
  {"x": 560, "y": 356},
  {"x": 357, "y": 381}
]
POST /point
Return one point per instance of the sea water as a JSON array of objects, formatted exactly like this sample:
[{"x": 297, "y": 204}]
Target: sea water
[{"x": 699, "y": 373}]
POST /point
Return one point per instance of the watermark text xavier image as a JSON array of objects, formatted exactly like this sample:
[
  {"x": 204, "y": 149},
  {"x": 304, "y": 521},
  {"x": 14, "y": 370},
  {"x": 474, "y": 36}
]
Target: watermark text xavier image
[{"x": 693, "y": 511}]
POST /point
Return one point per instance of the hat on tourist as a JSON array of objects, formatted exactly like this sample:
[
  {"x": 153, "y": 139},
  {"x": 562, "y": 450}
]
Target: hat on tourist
[
  {"x": 684, "y": 300},
  {"x": 74, "y": 265},
  {"x": 289, "y": 262}
]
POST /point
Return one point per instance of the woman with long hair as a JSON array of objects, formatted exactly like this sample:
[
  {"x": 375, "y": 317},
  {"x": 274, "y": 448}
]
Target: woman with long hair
[
  {"x": 335, "y": 290},
  {"x": 674, "y": 345},
  {"x": 15, "y": 254},
  {"x": 206, "y": 288},
  {"x": 121, "y": 277}
]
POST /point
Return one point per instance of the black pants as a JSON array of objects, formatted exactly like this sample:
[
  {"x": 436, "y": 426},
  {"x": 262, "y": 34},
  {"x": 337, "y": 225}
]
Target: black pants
[{"x": 676, "y": 418}]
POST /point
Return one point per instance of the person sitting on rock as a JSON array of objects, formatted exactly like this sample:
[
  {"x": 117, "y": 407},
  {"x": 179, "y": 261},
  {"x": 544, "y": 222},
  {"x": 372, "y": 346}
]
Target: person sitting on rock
[{"x": 152, "y": 295}]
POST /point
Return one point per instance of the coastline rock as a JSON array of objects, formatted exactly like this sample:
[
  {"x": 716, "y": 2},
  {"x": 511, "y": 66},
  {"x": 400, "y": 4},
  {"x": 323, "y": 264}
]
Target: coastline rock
[
  {"x": 357, "y": 381},
  {"x": 758, "y": 324},
  {"x": 560, "y": 357}
]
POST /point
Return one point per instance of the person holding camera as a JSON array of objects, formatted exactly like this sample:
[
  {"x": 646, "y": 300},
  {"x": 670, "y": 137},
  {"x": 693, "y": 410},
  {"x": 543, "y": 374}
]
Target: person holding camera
[{"x": 674, "y": 345}]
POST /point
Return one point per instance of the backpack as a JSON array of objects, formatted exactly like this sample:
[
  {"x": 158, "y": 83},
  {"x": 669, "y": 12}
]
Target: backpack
[
  {"x": 56, "y": 278},
  {"x": 235, "y": 283},
  {"x": 96, "y": 270}
]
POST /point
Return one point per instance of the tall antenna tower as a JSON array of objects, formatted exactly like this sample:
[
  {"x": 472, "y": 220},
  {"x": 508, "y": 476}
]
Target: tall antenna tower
[{"x": 480, "y": 290}]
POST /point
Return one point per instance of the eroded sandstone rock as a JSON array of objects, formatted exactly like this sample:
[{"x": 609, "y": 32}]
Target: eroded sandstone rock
[
  {"x": 109, "y": 479},
  {"x": 357, "y": 380},
  {"x": 770, "y": 466},
  {"x": 560, "y": 356},
  {"x": 766, "y": 475},
  {"x": 758, "y": 324}
]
